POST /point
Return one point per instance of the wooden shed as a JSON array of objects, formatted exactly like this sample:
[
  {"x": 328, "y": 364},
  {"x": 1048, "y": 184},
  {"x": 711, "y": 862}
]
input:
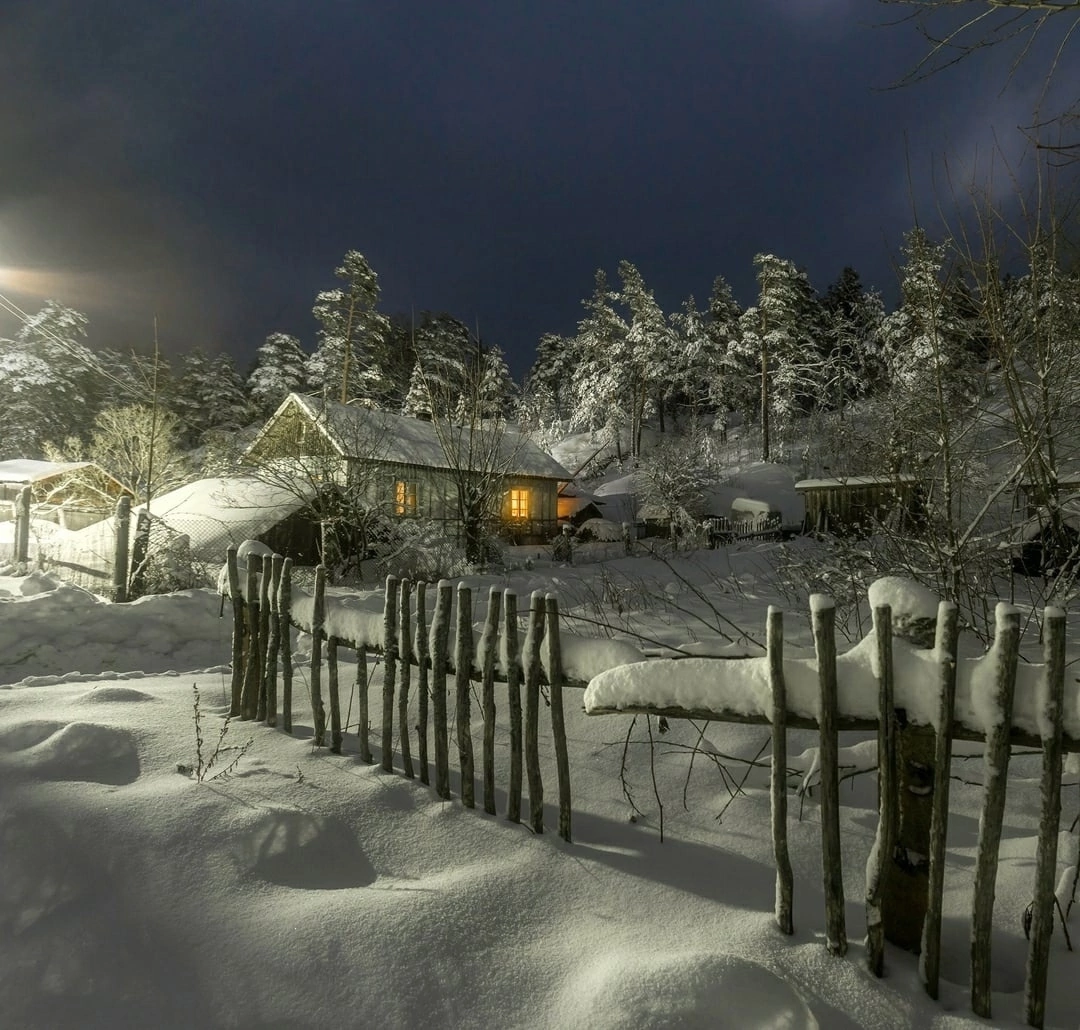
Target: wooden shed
[
  {"x": 73, "y": 494},
  {"x": 852, "y": 505}
]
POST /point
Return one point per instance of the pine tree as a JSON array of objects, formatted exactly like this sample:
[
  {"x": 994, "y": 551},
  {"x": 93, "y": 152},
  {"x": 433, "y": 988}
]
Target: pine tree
[
  {"x": 497, "y": 390},
  {"x": 279, "y": 371},
  {"x": 851, "y": 325},
  {"x": 349, "y": 359},
  {"x": 208, "y": 396}
]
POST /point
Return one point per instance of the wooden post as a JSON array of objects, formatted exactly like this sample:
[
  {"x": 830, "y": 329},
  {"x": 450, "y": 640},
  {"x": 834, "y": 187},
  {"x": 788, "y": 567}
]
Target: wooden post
[
  {"x": 264, "y": 632},
  {"x": 513, "y": 689},
  {"x": 420, "y": 650},
  {"x": 774, "y": 646},
  {"x": 558, "y": 721},
  {"x": 823, "y": 616},
  {"x": 285, "y": 615},
  {"x": 945, "y": 651},
  {"x": 530, "y": 660},
  {"x": 405, "y": 656},
  {"x": 999, "y": 707},
  {"x": 390, "y": 654},
  {"x": 488, "y": 644},
  {"x": 318, "y": 617},
  {"x": 463, "y": 659},
  {"x": 140, "y": 550},
  {"x": 335, "y": 697},
  {"x": 120, "y": 550},
  {"x": 363, "y": 728},
  {"x": 237, "y": 599},
  {"x": 885, "y": 840},
  {"x": 249, "y": 701},
  {"x": 1042, "y": 909},
  {"x": 440, "y": 646},
  {"x": 22, "y": 532},
  {"x": 274, "y": 646}
]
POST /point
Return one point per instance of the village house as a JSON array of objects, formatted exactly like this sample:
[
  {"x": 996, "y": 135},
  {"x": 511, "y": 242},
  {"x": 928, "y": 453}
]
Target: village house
[
  {"x": 407, "y": 468},
  {"x": 73, "y": 494}
]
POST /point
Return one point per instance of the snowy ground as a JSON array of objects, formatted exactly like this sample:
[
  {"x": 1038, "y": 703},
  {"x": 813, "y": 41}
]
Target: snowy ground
[{"x": 307, "y": 889}]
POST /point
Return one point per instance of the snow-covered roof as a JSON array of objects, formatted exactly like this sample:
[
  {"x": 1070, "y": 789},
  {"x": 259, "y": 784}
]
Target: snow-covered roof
[
  {"x": 856, "y": 481},
  {"x": 384, "y": 436},
  {"x": 30, "y": 470}
]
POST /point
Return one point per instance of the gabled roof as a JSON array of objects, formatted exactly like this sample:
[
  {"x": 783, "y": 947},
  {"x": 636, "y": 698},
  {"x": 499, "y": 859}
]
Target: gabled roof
[
  {"x": 395, "y": 439},
  {"x": 30, "y": 470}
]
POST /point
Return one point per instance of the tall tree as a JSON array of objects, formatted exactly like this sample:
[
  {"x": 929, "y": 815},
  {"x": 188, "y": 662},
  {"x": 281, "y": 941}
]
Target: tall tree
[{"x": 279, "y": 371}]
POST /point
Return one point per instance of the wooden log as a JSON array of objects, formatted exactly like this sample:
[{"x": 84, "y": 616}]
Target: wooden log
[
  {"x": 405, "y": 675},
  {"x": 999, "y": 707},
  {"x": 530, "y": 661},
  {"x": 273, "y": 649},
  {"x": 888, "y": 816},
  {"x": 363, "y": 720},
  {"x": 1042, "y": 909},
  {"x": 335, "y": 697},
  {"x": 318, "y": 617},
  {"x": 463, "y": 660},
  {"x": 823, "y": 617},
  {"x": 390, "y": 655},
  {"x": 774, "y": 646},
  {"x": 945, "y": 651},
  {"x": 285, "y": 615},
  {"x": 264, "y": 632},
  {"x": 420, "y": 650},
  {"x": 488, "y": 645},
  {"x": 440, "y": 660},
  {"x": 120, "y": 552},
  {"x": 236, "y": 596},
  {"x": 512, "y": 671},
  {"x": 249, "y": 701},
  {"x": 558, "y": 720}
]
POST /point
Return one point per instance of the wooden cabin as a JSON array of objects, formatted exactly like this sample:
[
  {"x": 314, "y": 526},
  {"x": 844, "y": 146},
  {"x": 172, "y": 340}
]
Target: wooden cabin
[
  {"x": 852, "y": 505},
  {"x": 73, "y": 494},
  {"x": 413, "y": 468}
]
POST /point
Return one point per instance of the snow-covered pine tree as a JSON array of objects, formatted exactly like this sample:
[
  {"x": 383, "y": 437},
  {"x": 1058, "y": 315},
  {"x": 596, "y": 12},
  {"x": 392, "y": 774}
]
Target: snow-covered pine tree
[
  {"x": 496, "y": 391},
  {"x": 208, "y": 396},
  {"x": 279, "y": 371},
  {"x": 851, "y": 324},
  {"x": 348, "y": 361}
]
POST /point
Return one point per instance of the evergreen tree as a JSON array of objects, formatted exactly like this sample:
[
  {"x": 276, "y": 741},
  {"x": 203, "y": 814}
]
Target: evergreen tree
[
  {"x": 350, "y": 357},
  {"x": 208, "y": 396},
  {"x": 851, "y": 325},
  {"x": 496, "y": 390},
  {"x": 279, "y": 371}
]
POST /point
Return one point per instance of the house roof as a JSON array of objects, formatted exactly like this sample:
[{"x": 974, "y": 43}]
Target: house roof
[
  {"x": 396, "y": 439},
  {"x": 857, "y": 482},
  {"x": 30, "y": 470}
]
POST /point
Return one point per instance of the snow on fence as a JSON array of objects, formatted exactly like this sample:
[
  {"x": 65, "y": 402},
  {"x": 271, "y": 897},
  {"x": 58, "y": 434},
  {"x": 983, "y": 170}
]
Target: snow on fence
[
  {"x": 266, "y": 606},
  {"x": 906, "y": 667}
]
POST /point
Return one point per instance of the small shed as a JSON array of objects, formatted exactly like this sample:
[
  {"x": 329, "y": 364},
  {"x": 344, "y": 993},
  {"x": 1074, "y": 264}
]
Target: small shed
[
  {"x": 850, "y": 505},
  {"x": 73, "y": 494}
]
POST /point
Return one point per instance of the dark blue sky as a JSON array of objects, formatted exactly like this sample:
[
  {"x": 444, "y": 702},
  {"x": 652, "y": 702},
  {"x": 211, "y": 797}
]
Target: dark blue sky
[{"x": 211, "y": 161}]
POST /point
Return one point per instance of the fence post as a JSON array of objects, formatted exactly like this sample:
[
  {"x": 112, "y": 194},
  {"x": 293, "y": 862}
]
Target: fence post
[
  {"x": 440, "y": 646},
  {"x": 22, "y": 526},
  {"x": 885, "y": 841},
  {"x": 237, "y": 598},
  {"x": 405, "y": 657},
  {"x": 774, "y": 646},
  {"x": 530, "y": 660},
  {"x": 140, "y": 551},
  {"x": 249, "y": 700},
  {"x": 463, "y": 659},
  {"x": 999, "y": 706},
  {"x": 264, "y": 631},
  {"x": 823, "y": 617},
  {"x": 285, "y": 615},
  {"x": 558, "y": 721},
  {"x": 1042, "y": 912},
  {"x": 274, "y": 644},
  {"x": 945, "y": 650},
  {"x": 390, "y": 654},
  {"x": 513, "y": 689},
  {"x": 318, "y": 618},
  {"x": 363, "y": 683},
  {"x": 488, "y": 643},
  {"x": 335, "y": 697},
  {"x": 420, "y": 649},
  {"x": 120, "y": 549}
]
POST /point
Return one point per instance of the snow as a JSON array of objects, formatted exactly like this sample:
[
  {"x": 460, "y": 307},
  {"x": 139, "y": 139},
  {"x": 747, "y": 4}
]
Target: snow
[
  {"x": 30, "y": 470},
  {"x": 307, "y": 889}
]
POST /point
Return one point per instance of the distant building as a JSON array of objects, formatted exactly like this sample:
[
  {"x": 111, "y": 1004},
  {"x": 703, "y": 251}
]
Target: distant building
[
  {"x": 73, "y": 494},
  {"x": 853, "y": 504}
]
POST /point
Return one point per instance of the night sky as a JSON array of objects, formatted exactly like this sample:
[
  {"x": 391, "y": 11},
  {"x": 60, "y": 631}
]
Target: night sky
[{"x": 211, "y": 162}]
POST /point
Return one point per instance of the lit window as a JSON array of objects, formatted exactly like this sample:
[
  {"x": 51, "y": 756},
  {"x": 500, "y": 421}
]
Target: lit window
[
  {"x": 404, "y": 498},
  {"x": 519, "y": 504}
]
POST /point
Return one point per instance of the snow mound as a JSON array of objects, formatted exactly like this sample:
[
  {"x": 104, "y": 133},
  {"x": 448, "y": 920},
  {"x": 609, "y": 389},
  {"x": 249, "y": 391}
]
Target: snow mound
[
  {"x": 79, "y": 751},
  {"x": 112, "y": 695},
  {"x": 694, "y": 990}
]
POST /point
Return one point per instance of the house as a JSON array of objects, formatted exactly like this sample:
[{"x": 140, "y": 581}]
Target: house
[
  {"x": 409, "y": 468},
  {"x": 73, "y": 494},
  {"x": 576, "y": 505},
  {"x": 851, "y": 504}
]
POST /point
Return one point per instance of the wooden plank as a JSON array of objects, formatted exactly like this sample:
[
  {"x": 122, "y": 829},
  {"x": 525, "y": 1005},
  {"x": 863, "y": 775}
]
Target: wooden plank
[
  {"x": 390, "y": 663},
  {"x": 888, "y": 814},
  {"x": 945, "y": 650},
  {"x": 530, "y": 660},
  {"x": 420, "y": 654},
  {"x": 463, "y": 659},
  {"x": 488, "y": 646},
  {"x": 363, "y": 718},
  {"x": 335, "y": 697},
  {"x": 558, "y": 720},
  {"x": 774, "y": 644},
  {"x": 285, "y": 614},
  {"x": 513, "y": 690},
  {"x": 1042, "y": 911},
  {"x": 249, "y": 700},
  {"x": 264, "y": 632},
  {"x": 273, "y": 648},
  {"x": 318, "y": 616},
  {"x": 823, "y": 617},
  {"x": 405, "y": 658},
  {"x": 237, "y": 598},
  {"x": 1004, "y": 655},
  {"x": 440, "y": 647}
]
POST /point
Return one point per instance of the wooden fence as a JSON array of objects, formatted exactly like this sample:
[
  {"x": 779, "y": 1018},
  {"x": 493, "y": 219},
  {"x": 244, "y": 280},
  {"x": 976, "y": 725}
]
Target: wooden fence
[
  {"x": 894, "y": 890},
  {"x": 266, "y": 609}
]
